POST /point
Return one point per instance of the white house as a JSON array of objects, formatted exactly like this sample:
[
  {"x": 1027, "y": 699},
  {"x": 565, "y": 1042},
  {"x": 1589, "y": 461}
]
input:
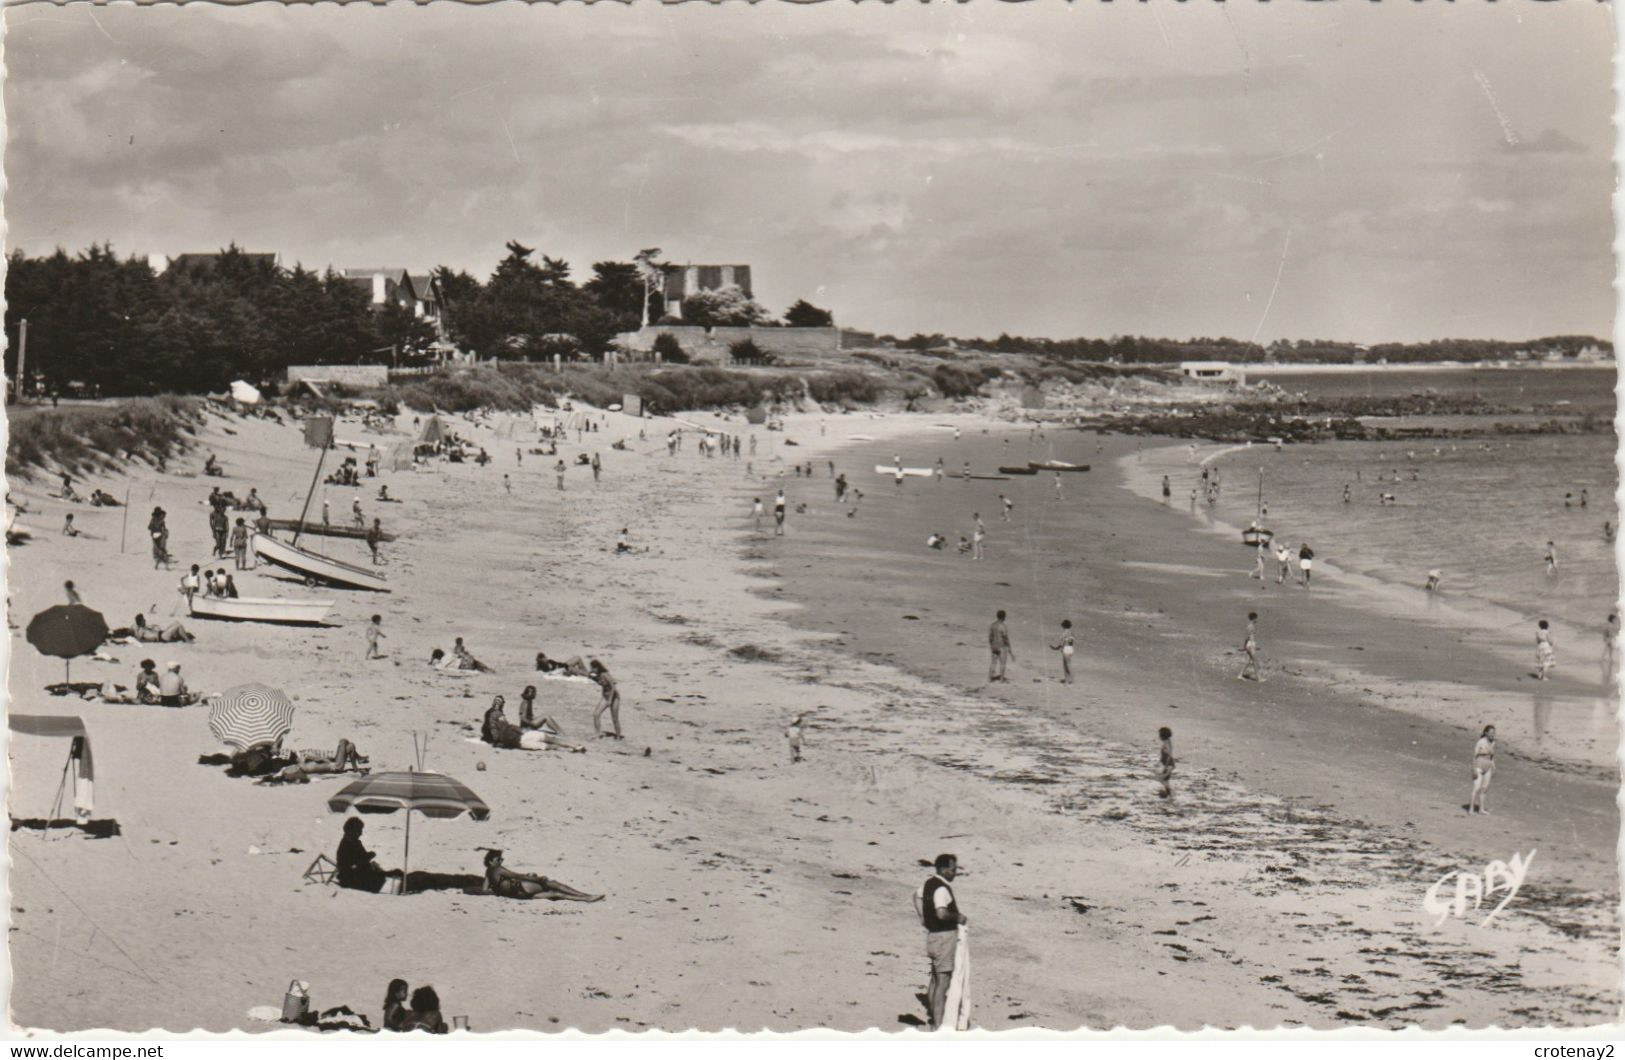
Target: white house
[{"x": 1214, "y": 372}]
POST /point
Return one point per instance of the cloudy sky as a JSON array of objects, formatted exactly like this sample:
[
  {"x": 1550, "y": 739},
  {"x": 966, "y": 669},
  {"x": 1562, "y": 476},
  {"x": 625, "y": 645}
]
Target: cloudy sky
[{"x": 1270, "y": 170}]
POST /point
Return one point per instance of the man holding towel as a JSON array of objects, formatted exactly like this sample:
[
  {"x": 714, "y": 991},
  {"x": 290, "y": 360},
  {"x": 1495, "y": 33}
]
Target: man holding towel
[{"x": 940, "y": 914}]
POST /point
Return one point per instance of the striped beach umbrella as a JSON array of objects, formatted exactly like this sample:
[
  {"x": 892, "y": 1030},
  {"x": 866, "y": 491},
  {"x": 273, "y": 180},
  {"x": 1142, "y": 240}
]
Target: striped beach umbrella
[
  {"x": 250, "y": 715},
  {"x": 431, "y": 794}
]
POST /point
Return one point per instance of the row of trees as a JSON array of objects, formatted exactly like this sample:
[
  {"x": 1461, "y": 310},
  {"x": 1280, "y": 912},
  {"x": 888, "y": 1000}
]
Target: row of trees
[
  {"x": 117, "y": 326},
  {"x": 1132, "y": 349}
]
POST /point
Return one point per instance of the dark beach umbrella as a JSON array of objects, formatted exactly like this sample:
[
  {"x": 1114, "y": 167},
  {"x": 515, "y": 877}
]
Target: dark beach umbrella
[
  {"x": 67, "y": 631},
  {"x": 431, "y": 794}
]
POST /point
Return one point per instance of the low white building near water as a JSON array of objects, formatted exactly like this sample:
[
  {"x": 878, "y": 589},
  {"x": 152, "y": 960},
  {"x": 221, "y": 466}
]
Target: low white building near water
[{"x": 1214, "y": 372}]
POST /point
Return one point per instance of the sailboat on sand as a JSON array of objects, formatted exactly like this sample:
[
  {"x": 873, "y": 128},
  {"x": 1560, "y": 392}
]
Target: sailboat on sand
[{"x": 313, "y": 565}]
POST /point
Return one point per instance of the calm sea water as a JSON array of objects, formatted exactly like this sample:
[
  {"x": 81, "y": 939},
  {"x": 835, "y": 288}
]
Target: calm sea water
[
  {"x": 1481, "y": 511},
  {"x": 1584, "y": 389}
]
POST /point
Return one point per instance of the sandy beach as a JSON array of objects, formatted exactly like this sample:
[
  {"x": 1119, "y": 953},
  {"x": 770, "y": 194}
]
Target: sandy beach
[{"x": 1276, "y": 889}]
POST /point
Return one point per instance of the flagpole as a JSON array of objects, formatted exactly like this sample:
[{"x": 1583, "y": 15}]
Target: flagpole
[{"x": 406, "y": 861}]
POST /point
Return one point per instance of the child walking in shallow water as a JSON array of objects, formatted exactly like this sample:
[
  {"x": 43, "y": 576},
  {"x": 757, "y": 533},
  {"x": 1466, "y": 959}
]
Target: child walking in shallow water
[
  {"x": 1067, "y": 646},
  {"x": 1165, "y": 765},
  {"x": 1251, "y": 671}
]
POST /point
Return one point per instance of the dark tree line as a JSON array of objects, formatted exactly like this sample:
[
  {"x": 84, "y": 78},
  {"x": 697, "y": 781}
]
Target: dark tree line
[
  {"x": 114, "y": 325},
  {"x": 1134, "y": 349}
]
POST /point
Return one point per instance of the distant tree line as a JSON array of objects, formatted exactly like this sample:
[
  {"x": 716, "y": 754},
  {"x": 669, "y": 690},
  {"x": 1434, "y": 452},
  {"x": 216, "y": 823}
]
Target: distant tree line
[
  {"x": 116, "y": 326},
  {"x": 1132, "y": 349}
]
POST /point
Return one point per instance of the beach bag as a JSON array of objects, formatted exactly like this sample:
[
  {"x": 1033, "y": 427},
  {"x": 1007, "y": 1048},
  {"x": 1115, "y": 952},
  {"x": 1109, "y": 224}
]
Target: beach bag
[{"x": 296, "y": 1002}]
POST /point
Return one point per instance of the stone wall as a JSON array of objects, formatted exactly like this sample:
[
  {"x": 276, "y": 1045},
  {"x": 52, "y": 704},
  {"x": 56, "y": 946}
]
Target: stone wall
[
  {"x": 711, "y": 346},
  {"x": 345, "y": 374}
]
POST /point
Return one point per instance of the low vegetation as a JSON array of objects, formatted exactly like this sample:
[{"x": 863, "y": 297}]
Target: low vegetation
[{"x": 81, "y": 438}]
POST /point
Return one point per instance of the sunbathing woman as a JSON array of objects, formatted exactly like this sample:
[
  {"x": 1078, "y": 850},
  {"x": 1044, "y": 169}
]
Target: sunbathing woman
[
  {"x": 506, "y": 883},
  {"x": 575, "y": 667},
  {"x": 153, "y": 635},
  {"x": 311, "y": 763}
]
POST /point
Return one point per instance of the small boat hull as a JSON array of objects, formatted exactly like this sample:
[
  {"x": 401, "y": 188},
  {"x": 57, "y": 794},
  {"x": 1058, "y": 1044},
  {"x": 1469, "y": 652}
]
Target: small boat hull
[
  {"x": 1057, "y": 465},
  {"x": 1018, "y": 470},
  {"x": 313, "y": 565},
  {"x": 910, "y": 472},
  {"x": 259, "y": 609},
  {"x": 326, "y": 530}
]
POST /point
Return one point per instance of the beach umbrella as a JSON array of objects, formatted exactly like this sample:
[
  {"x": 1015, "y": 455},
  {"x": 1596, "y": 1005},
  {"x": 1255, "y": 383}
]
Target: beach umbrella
[
  {"x": 250, "y": 715},
  {"x": 431, "y": 794},
  {"x": 67, "y": 631}
]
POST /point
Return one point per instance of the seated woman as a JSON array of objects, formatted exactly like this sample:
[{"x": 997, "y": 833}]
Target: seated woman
[
  {"x": 103, "y": 500},
  {"x": 357, "y": 867},
  {"x": 465, "y": 658},
  {"x": 575, "y": 667},
  {"x": 153, "y": 635},
  {"x": 313, "y": 763},
  {"x": 397, "y": 1016},
  {"x": 146, "y": 682},
  {"x": 505, "y": 883}
]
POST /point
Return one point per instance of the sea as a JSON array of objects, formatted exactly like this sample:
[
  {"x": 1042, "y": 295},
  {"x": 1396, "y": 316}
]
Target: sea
[{"x": 1479, "y": 510}]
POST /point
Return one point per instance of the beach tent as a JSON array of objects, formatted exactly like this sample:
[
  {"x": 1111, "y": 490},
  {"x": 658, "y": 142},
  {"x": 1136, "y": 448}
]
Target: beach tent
[
  {"x": 79, "y": 760},
  {"x": 434, "y": 432},
  {"x": 245, "y": 394},
  {"x": 632, "y": 405}
]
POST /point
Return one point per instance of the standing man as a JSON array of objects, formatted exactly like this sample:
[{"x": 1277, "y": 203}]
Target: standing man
[
  {"x": 375, "y": 534},
  {"x": 1252, "y": 670},
  {"x": 778, "y": 514},
  {"x": 597, "y": 467},
  {"x": 998, "y": 643},
  {"x": 558, "y": 469},
  {"x": 939, "y": 913}
]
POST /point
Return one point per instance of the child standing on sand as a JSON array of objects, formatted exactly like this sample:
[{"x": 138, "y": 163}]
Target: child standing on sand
[
  {"x": 1252, "y": 671},
  {"x": 1483, "y": 769},
  {"x": 1067, "y": 646},
  {"x": 1545, "y": 653},
  {"x": 1165, "y": 764},
  {"x": 793, "y": 735},
  {"x": 756, "y": 511},
  {"x": 375, "y": 633}
]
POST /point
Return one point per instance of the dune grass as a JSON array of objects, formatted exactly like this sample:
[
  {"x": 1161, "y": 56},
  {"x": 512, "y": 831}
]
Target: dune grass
[{"x": 81, "y": 438}]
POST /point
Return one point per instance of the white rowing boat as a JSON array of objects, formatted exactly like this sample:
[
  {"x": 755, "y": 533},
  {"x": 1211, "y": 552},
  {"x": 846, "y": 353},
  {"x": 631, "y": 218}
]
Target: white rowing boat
[
  {"x": 261, "y": 609},
  {"x": 314, "y": 565},
  {"x": 915, "y": 472}
]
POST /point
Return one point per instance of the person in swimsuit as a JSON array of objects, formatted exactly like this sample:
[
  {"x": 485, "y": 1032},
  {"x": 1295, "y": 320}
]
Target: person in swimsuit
[
  {"x": 611, "y": 701},
  {"x": 1483, "y": 769},
  {"x": 1251, "y": 671},
  {"x": 1435, "y": 576},
  {"x": 505, "y": 883},
  {"x": 1165, "y": 761},
  {"x": 778, "y": 514},
  {"x": 793, "y": 734},
  {"x": 1167, "y": 490},
  {"x": 1066, "y": 646},
  {"x": 1008, "y": 504},
  {"x": 1545, "y": 653},
  {"x": 757, "y": 511},
  {"x": 573, "y": 666},
  {"x": 1610, "y": 648},
  {"x": 1551, "y": 558},
  {"x": 1306, "y": 563},
  {"x": 998, "y": 643}
]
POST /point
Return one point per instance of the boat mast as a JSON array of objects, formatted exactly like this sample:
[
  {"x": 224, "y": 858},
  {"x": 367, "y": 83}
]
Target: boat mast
[{"x": 317, "y": 477}]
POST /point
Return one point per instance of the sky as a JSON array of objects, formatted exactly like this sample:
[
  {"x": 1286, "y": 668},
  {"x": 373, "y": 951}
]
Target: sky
[{"x": 1366, "y": 172}]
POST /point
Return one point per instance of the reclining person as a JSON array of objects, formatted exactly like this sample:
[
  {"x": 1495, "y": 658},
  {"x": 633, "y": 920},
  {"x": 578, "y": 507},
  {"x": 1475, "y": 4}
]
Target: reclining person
[
  {"x": 574, "y": 667},
  {"x": 506, "y": 883},
  {"x": 153, "y": 635},
  {"x": 312, "y": 763}
]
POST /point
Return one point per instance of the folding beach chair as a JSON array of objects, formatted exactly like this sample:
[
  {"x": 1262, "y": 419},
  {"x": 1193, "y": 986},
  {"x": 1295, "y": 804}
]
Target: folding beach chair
[{"x": 322, "y": 871}]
